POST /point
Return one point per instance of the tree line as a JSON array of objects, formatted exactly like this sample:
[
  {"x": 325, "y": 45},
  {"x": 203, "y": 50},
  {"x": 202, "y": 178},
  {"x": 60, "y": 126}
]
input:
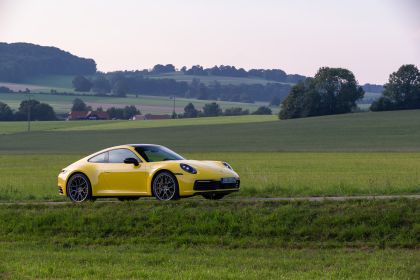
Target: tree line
[
  {"x": 336, "y": 91},
  {"x": 122, "y": 83},
  {"x": 28, "y": 109},
  {"x": 22, "y": 60}
]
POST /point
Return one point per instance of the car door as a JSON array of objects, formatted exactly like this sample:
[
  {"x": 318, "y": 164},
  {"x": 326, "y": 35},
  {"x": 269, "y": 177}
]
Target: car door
[{"x": 121, "y": 178}]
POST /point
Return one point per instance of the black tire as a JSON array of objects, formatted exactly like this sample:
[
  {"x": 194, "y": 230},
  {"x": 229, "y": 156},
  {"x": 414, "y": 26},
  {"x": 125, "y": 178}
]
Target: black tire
[
  {"x": 79, "y": 188},
  {"x": 128, "y": 198},
  {"x": 213, "y": 196},
  {"x": 165, "y": 186}
]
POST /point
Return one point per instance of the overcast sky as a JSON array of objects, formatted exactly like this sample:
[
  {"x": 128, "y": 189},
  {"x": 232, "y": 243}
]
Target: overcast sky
[{"x": 372, "y": 38}]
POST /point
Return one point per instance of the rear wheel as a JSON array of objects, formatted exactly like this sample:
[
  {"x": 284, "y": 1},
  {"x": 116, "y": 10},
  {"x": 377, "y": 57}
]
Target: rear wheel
[
  {"x": 78, "y": 188},
  {"x": 213, "y": 196},
  {"x": 128, "y": 198},
  {"x": 165, "y": 186}
]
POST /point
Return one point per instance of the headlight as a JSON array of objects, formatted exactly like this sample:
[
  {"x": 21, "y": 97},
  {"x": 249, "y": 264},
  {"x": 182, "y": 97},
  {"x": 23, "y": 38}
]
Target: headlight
[
  {"x": 188, "y": 168},
  {"x": 227, "y": 165}
]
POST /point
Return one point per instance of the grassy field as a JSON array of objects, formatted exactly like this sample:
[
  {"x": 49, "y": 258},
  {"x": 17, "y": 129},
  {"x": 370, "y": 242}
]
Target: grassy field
[
  {"x": 160, "y": 262},
  {"x": 146, "y": 104},
  {"x": 179, "y": 76},
  {"x": 280, "y": 240},
  {"x": 262, "y": 174},
  {"x": 367, "y": 132},
  {"x": 15, "y": 127}
]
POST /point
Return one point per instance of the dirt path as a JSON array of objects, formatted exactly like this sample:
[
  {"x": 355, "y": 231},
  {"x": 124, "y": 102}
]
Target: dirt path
[{"x": 250, "y": 199}]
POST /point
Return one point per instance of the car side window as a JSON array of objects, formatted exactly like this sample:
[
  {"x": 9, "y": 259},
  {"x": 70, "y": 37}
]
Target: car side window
[
  {"x": 119, "y": 155},
  {"x": 101, "y": 158}
]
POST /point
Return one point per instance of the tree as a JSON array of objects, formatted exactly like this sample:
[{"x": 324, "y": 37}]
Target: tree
[
  {"x": 6, "y": 113},
  {"x": 120, "y": 87},
  {"x": 212, "y": 110},
  {"x": 235, "y": 111},
  {"x": 39, "y": 111},
  {"x": 79, "y": 105},
  {"x": 331, "y": 91},
  {"x": 5, "y": 90},
  {"x": 80, "y": 83},
  {"x": 130, "y": 111},
  {"x": 275, "y": 101},
  {"x": 262, "y": 110},
  {"x": 190, "y": 111},
  {"x": 101, "y": 85},
  {"x": 402, "y": 90}
]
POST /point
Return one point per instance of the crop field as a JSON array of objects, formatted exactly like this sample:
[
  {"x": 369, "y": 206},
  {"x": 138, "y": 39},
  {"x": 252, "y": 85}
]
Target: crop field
[{"x": 146, "y": 104}]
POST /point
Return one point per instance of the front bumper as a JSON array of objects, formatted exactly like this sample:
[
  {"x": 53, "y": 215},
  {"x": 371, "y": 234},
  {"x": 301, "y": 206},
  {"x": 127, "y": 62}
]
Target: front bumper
[{"x": 213, "y": 185}]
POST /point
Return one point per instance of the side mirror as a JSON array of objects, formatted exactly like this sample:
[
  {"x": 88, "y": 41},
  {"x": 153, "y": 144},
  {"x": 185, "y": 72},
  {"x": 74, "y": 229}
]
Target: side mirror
[{"x": 131, "y": 160}]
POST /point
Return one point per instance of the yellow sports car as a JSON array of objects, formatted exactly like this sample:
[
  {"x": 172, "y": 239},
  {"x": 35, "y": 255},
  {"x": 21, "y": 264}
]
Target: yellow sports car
[{"x": 129, "y": 172}]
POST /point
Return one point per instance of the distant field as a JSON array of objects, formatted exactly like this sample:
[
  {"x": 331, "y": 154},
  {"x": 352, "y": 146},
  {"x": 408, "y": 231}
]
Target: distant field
[
  {"x": 262, "y": 174},
  {"x": 146, "y": 104},
  {"x": 178, "y": 76},
  {"x": 385, "y": 131},
  {"x": 15, "y": 127}
]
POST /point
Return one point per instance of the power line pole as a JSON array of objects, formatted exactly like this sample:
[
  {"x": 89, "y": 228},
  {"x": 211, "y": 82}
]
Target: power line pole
[
  {"x": 29, "y": 111},
  {"x": 173, "y": 111}
]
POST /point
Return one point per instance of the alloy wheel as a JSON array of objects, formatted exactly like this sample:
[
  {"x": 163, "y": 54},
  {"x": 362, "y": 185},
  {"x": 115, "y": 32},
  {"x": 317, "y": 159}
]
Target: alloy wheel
[
  {"x": 165, "y": 186},
  {"x": 78, "y": 188}
]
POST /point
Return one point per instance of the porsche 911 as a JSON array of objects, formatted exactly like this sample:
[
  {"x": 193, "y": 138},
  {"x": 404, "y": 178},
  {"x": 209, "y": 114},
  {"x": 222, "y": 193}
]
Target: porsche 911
[{"x": 129, "y": 172}]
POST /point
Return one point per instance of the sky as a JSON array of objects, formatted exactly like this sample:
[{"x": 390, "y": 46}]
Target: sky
[{"x": 372, "y": 38}]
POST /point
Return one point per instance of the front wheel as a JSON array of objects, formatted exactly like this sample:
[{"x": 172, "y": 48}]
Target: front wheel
[
  {"x": 78, "y": 188},
  {"x": 213, "y": 196},
  {"x": 165, "y": 186}
]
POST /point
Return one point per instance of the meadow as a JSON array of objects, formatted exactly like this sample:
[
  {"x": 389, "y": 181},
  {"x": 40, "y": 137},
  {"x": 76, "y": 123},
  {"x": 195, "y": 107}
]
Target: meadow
[
  {"x": 146, "y": 104},
  {"x": 279, "y": 240},
  {"x": 33, "y": 176},
  {"x": 361, "y": 132},
  {"x": 15, "y": 127},
  {"x": 354, "y": 154}
]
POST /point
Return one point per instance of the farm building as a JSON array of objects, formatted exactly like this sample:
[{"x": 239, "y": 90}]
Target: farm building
[{"x": 87, "y": 115}]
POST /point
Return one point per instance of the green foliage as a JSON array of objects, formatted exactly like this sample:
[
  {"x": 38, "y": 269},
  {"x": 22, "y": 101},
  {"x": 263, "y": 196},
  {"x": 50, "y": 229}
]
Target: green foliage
[
  {"x": 22, "y": 60},
  {"x": 79, "y": 105},
  {"x": 101, "y": 85},
  {"x": 4, "y": 89},
  {"x": 80, "y": 83},
  {"x": 331, "y": 91},
  {"x": 235, "y": 111},
  {"x": 402, "y": 90},
  {"x": 190, "y": 111},
  {"x": 6, "y": 113},
  {"x": 212, "y": 110},
  {"x": 123, "y": 113},
  {"x": 38, "y": 111},
  {"x": 262, "y": 110}
]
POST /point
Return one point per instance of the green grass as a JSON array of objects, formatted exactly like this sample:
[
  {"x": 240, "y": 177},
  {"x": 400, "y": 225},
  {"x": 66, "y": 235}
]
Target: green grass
[
  {"x": 385, "y": 131},
  {"x": 146, "y": 104},
  {"x": 229, "y": 224},
  {"x": 52, "y": 81},
  {"x": 28, "y": 261},
  {"x": 33, "y": 176},
  {"x": 15, "y": 127}
]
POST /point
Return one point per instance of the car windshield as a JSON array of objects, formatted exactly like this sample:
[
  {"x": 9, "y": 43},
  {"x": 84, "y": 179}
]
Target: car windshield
[{"x": 152, "y": 153}]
